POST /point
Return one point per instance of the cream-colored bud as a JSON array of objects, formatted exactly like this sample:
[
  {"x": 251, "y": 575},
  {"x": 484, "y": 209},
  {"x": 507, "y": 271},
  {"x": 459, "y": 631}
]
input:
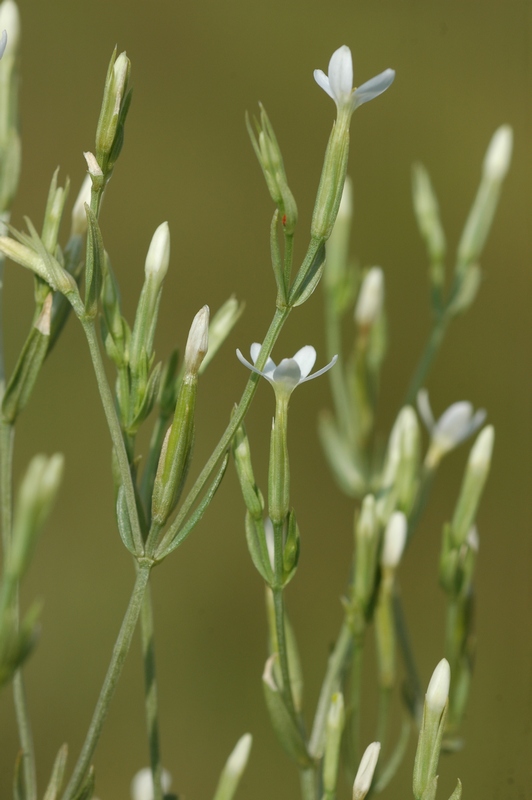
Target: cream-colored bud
[
  {"x": 10, "y": 22},
  {"x": 480, "y": 456},
  {"x": 79, "y": 216},
  {"x": 370, "y": 298},
  {"x": 365, "y": 771},
  {"x": 197, "y": 342},
  {"x": 499, "y": 154},
  {"x": 237, "y": 761},
  {"x": 92, "y": 165},
  {"x": 394, "y": 540},
  {"x": 438, "y": 689},
  {"x": 158, "y": 256}
]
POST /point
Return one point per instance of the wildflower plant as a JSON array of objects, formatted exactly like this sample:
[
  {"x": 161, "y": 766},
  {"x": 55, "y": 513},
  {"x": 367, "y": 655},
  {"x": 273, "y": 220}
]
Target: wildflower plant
[{"x": 156, "y": 508}]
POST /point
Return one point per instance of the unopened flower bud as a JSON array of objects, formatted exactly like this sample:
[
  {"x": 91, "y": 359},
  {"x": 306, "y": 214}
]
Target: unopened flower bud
[
  {"x": 394, "y": 540},
  {"x": 79, "y": 216},
  {"x": 428, "y": 213},
  {"x": 366, "y": 770},
  {"x": 158, "y": 256},
  {"x": 432, "y": 728},
  {"x": 113, "y": 111},
  {"x": 438, "y": 688},
  {"x": 10, "y": 22},
  {"x": 220, "y": 326},
  {"x": 499, "y": 154},
  {"x": 370, "y": 298},
  {"x": 234, "y": 769},
  {"x": 197, "y": 342},
  {"x": 142, "y": 784},
  {"x": 477, "y": 470}
]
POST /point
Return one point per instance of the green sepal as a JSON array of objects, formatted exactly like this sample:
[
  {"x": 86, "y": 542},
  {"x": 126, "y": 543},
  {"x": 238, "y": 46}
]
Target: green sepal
[
  {"x": 118, "y": 142},
  {"x": 285, "y": 728},
  {"x": 299, "y": 294},
  {"x": 94, "y": 265},
  {"x": 147, "y": 400},
  {"x": 177, "y": 535},
  {"x": 86, "y": 791},
  {"x": 457, "y": 794},
  {"x": 28, "y": 366},
  {"x": 124, "y": 524},
  {"x": 291, "y": 549},
  {"x": 58, "y": 772},
  {"x": 258, "y": 550},
  {"x": 16, "y": 643}
]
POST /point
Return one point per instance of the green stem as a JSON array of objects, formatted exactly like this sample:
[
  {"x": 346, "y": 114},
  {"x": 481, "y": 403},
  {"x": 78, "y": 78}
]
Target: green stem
[
  {"x": 335, "y": 667},
  {"x": 150, "y": 688},
  {"x": 21, "y": 708},
  {"x": 114, "y": 670},
  {"x": 421, "y": 499},
  {"x": 278, "y": 604},
  {"x": 413, "y": 690},
  {"x": 340, "y": 394},
  {"x": 383, "y": 715},
  {"x": 432, "y": 347},
  {"x": 355, "y": 704},
  {"x": 277, "y": 323},
  {"x": 116, "y": 432},
  {"x": 308, "y": 783}
]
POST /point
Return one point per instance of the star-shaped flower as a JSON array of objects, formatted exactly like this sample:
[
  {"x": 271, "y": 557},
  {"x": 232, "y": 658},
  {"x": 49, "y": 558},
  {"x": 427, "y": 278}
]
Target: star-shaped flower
[
  {"x": 455, "y": 425},
  {"x": 290, "y": 372},
  {"x": 339, "y": 82}
]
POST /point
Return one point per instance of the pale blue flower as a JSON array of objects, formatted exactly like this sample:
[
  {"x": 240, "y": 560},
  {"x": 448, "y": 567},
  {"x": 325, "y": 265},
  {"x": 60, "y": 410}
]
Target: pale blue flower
[
  {"x": 339, "y": 82},
  {"x": 290, "y": 372}
]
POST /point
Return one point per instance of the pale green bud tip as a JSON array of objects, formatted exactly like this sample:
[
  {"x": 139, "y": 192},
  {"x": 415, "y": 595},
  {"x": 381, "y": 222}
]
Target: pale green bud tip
[
  {"x": 480, "y": 457},
  {"x": 142, "y": 784},
  {"x": 10, "y": 22},
  {"x": 237, "y": 761},
  {"x": 394, "y": 540},
  {"x": 370, "y": 298},
  {"x": 79, "y": 216},
  {"x": 158, "y": 256},
  {"x": 198, "y": 341},
  {"x": 499, "y": 154},
  {"x": 365, "y": 771},
  {"x": 438, "y": 689},
  {"x": 335, "y": 717}
]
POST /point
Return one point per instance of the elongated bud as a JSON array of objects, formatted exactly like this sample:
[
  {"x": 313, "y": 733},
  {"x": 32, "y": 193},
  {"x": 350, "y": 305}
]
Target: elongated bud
[
  {"x": 366, "y": 770},
  {"x": 220, "y": 326},
  {"x": 115, "y": 104},
  {"x": 335, "y": 727},
  {"x": 142, "y": 784},
  {"x": 394, "y": 540},
  {"x": 475, "y": 477},
  {"x": 36, "y": 496},
  {"x": 367, "y": 545},
  {"x": 370, "y": 298},
  {"x": 79, "y": 217},
  {"x": 234, "y": 769},
  {"x": 10, "y": 22},
  {"x": 499, "y": 154},
  {"x": 158, "y": 256},
  {"x": 57, "y": 196},
  {"x": 336, "y": 267},
  {"x": 332, "y": 178},
  {"x": 250, "y": 491},
  {"x": 427, "y": 213},
  {"x": 197, "y": 342},
  {"x": 432, "y": 729}
]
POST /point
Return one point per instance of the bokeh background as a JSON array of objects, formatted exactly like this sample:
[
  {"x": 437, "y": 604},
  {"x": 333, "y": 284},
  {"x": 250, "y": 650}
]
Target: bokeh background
[{"x": 462, "y": 70}]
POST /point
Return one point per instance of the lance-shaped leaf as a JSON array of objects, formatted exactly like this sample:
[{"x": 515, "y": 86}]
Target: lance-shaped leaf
[
  {"x": 95, "y": 264},
  {"x": 284, "y": 725},
  {"x": 58, "y": 772}
]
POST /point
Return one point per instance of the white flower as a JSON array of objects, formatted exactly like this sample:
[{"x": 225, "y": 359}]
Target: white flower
[
  {"x": 339, "y": 82},
  {"x": 365, "y": 771},
  {"x": 455, "y": 425},
  {"x": 142, "y": 784},
  {"x": 290, "y": 372},
  {"x": 158, "y": 256}
]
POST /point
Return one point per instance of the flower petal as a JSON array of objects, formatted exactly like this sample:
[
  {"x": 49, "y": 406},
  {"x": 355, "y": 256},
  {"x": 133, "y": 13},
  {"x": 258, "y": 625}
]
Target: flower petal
[
  {"x": 255, "y": 350},
  {"x": 341, "y": 74},
  {"x": 373, "y": 88},
  {"x": 454, "y": 422},
  {"x": 320, "y": 371},
  {"x": 246, "y": 363},
  {"x": 306, "y": 358},
  {"x": 323, "y": 81},
  {"x": 287, "y": 375}
]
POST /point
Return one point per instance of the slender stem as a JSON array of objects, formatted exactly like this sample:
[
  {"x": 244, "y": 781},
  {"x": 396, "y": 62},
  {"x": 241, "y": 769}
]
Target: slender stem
[
  {"x": 114, "y": 670},
  {"x": 432, "y": 347},
  {"x": 115, "y": 431},
  {"x": 340, "y": 395},
  {"x": 383, "y": 715},
  {"x": 413, "y": 684},
  {"x": 150, "y": 687},
  {"x": 19, "y": 695},
  {"x": 355, "y": 703},
  {"x": 308, "y": 783},
  {"x": 237, "y": 417},
  {"x": 335, "y": 667},
  {"x": 421, "y": 499},
  {"x": 278, "y": 604}
]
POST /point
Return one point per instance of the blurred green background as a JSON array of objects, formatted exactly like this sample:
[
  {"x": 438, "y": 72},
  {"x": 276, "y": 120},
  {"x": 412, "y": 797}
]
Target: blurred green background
[{"x": 462, "y": 70}]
